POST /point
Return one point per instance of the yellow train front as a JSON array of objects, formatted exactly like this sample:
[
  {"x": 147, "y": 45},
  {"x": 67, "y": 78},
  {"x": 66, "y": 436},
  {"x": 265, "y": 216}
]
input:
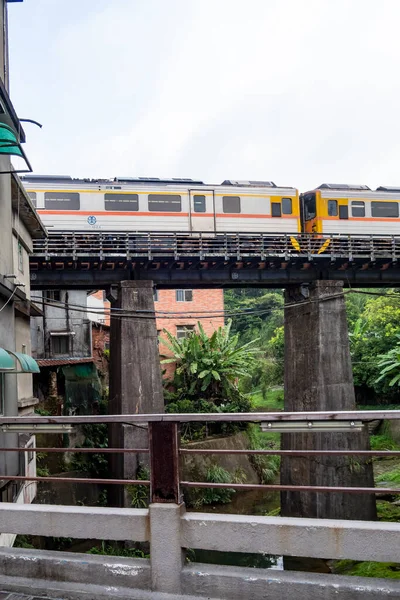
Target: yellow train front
[{"x": 351, "y": 209}]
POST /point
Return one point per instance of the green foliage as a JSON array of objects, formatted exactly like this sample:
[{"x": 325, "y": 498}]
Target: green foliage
[
  {"x": 209, "y": 367},
  {"x": 106, "y": 353},
  {"x": 391, "y": 476},
  {"x": 140, "y": 494},
  {"x": 23, "y": 541},
  {"x": 115, "y": 549},
  {"x": 367, "y": 569},
  {"x": 42, "y": 470},
  {"x": 387, "y": 511},
  {"x": 389, "y": 365},
  {"x": 383, "y": 442},
  {"x": 216, "y": 474},
  {"x": 266, "y": 466},
  {"x": 271, "y": 400},
  {"x": 373, "y": 333},
  {"x": 96, "y": 436}
]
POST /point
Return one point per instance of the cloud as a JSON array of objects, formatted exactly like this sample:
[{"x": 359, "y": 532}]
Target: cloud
[{"x": 296, "y": 92}]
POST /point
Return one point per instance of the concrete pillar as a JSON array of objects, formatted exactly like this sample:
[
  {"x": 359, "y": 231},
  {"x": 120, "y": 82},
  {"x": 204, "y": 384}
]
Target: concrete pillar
[
  {"x": 318, "y": 376},
  {"x": 135, "y": 376},
  {"x": 166, "y": 555}
]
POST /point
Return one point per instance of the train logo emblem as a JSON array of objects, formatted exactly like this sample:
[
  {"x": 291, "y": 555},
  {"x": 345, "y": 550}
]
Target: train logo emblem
[{"x": 92, "y": 220}]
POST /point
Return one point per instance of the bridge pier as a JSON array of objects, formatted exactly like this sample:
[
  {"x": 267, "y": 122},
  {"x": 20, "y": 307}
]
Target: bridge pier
[
  {"x": 318, "y": 376},
  {"x": 135, "y": 376}
]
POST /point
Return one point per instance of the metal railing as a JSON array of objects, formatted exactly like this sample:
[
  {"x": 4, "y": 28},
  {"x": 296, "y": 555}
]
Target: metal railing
[
  {"x": 170, "y": 529},
  {"x": 174, "y": 245},
  {"x": 165, "y": 450}
]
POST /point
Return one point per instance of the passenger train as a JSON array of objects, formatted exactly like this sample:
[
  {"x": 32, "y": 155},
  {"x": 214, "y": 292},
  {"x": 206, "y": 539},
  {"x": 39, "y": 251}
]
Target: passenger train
[{"x": 187, "y": 205}]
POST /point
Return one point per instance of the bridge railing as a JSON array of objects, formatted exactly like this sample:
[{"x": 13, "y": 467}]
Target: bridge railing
[
  {"x": 151, "y": 245},
  {"x": 171, "y": 529}
]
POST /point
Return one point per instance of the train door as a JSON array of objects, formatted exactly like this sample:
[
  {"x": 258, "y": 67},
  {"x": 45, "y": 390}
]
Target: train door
[{"x": 201, "y": 210}]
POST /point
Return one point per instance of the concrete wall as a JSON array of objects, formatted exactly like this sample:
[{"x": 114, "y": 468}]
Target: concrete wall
[
  {"x": 63, "y": 316},
  {"x": 23, "y": 344},
  {"x": 170, "y": 529}
]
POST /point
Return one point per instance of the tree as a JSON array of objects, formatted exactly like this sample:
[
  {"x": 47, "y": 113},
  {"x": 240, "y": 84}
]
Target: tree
[
  {"x": 210, "y": 368},
  {"x": 389, "y": 366},
  {"x": 374, "y": 333}
]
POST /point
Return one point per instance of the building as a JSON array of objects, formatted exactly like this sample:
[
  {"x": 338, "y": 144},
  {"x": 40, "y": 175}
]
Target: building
[
  {"x": 69, "y": 340},
  {"x": 19, "y": 225},
  {"x": 183, "y": 310}
]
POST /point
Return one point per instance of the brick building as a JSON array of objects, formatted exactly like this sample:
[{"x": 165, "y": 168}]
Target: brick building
[{"x": 187, "y": 302}]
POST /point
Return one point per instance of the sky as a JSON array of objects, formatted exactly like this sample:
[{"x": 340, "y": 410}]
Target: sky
[{"x": 299, "y": 92}]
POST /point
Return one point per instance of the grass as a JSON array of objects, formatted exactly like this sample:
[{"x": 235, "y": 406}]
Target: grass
[
  {"x": 367, "y": 569},
  {"x": 273, "y": 400},
  {"x": 392, "y": 476},
  {"x": 388, "y": 512},
  {"x": 383, "y": 442}
]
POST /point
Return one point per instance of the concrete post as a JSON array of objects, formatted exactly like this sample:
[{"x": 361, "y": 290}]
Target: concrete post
[
  {"x": 135, "y": 376},
  {"x": 318, "y": 376},
  {"x": 166, "y": 554}
]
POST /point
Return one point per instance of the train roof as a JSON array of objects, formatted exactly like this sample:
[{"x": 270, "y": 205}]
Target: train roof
[
  {"x": 60, "y": 179},
  {"x": 342, "y": 186}
]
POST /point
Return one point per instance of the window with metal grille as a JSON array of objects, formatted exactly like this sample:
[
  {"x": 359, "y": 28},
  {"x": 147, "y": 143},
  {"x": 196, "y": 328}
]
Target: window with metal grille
[
  {"x": 357, "y": 208},
  {"x": 52, "y": 295},
  {"x": 287, "y": 206},
  {"x": 385, "y": 209},
  {"x": 62, "y": 201},
  {"x": 184, "y": 295},
  {"x": 60, "y": 345},
  {"x": 231, "y": 204},
  {"x": 121, "y": 202},
  {"x": 165, "y": 203},
  {"x": 183, "y": 331},
  {"x": 199, "y": 204}
]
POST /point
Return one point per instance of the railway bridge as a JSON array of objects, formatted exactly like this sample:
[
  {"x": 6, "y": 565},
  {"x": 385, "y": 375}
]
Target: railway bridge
[{"x": 95, "y": 260}]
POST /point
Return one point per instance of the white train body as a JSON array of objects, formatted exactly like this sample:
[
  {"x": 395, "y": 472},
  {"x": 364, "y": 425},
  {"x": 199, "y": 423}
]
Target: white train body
[{"x": 67, "y": 204}]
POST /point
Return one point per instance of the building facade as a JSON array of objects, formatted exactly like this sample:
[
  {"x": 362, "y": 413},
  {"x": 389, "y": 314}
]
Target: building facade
[
  {"x": 183, "y": 310},
  {"x": 19, "y": 224}
]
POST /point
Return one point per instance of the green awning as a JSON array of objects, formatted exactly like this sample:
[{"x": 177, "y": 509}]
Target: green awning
[
  {"x": 11, "y": 146},
  {"x": 27, "y": 363},
  {"x": 8, "y": 141},
  {"x": 9, "y": 362},
  {"x": 6, "y": 362}
]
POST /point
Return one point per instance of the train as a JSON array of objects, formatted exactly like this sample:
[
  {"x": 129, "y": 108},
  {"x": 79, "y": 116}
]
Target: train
[{"x": 189, "y": 205}]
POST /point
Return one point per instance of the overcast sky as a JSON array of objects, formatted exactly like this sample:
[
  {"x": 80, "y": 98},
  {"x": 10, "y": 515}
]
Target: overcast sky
[{"x": 295, "y": 91}]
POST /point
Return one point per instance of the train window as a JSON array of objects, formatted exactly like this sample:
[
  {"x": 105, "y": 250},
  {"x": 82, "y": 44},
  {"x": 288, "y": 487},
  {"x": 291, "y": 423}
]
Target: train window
[
  {"x": 332, "y": 208},
  {"x": 199, "y": 203},
  {"x": 358, "y": 208},
  {"x": 286, "y": 206},
  {"x": 385, "y": 209},
  {"x": 123, "y": 202},
  {"x": 231, "y": 204},
  {"x": 32, "y": 196},
  {"x": 310, "y": 207},
  {"x": 165, "y": 203},
  {"x": 276, "y": 210},
  {"x": 62, "y": 201}
]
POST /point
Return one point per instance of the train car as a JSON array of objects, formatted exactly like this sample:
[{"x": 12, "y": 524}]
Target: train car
[
  {"x": 151, "y": 204},
  {"x": 351, "y": 209}
]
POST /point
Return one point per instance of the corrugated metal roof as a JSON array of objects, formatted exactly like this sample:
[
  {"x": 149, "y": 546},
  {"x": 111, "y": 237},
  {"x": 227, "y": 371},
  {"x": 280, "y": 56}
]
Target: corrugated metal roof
[{"x": 58, "y": 362}]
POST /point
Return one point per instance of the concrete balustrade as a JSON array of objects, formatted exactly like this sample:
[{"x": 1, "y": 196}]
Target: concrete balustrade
[{"x": 170, "y": 529}]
